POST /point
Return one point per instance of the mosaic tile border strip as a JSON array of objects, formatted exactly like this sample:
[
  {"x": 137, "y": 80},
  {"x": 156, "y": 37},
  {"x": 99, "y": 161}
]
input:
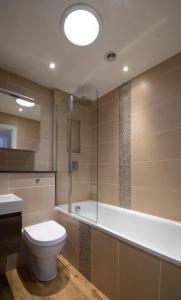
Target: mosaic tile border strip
[
  {"x": 125, "y": 145},
  {"x": 85, "y": 250}
]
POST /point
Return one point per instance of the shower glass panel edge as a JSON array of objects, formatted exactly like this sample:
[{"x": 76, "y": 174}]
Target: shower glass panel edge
[{"x": 70, "y": 134}]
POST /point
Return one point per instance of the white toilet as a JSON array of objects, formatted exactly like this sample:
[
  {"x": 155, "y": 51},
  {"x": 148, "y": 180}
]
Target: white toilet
[{"x": 44, "y": 242}]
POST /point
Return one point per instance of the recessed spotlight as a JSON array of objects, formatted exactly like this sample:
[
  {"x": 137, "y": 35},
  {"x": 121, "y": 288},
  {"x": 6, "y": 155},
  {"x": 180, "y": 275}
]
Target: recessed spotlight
[
  {"x": 81, "y": 24},
  {"x": 52, "y": 65},
  {"x": 24, "y": 103},
  {"x": 125, "y": 68},
  {"x": 20, "y": 109}
]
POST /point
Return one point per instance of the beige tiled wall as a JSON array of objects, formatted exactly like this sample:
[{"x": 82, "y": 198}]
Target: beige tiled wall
[
  {"x": 155, "y": 139},
  {"x": 155, "y": 142},
  {"x": 108, "y": 148},
  {"x": 38, "y": 198},
  {"x": 25, "y": 160}
]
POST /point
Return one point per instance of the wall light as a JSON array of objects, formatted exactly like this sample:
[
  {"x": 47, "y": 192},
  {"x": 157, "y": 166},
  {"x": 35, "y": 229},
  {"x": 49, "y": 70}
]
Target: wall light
[{"x": 24, "y": 103}]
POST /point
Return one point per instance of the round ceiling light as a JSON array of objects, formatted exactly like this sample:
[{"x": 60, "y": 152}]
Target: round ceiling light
[
  {"x": 24, "y": 103},
  {"x": 81, "y": 24}
]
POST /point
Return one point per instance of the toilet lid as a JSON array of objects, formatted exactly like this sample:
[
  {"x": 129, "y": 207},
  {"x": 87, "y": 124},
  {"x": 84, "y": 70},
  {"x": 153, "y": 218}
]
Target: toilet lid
[{"x": 45, "y": 234}]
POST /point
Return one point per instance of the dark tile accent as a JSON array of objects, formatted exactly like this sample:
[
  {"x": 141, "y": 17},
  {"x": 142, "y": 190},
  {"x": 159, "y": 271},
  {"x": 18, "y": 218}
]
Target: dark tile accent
[
  {"x": 85, "y": 250},
  {"x": 125, "y": 145}
]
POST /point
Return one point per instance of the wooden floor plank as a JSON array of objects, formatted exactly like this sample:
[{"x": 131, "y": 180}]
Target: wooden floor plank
[
  {"x": 69, "y": 284},
  {"x": 82, "y": 282}
]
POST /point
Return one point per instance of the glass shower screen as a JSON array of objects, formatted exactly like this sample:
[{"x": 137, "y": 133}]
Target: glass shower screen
[
  {"x": 83, "y": 154},
  {"x": 76, "y": 157}
]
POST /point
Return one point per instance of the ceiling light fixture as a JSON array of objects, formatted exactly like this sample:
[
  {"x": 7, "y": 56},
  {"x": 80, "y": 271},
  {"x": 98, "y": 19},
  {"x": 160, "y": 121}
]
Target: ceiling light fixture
[
  {"x": 24, "y": 103},
  {"x": 125, "y": 68},
  {"x": 52, "y": 65},
  {"x": 81, "y": 24}
]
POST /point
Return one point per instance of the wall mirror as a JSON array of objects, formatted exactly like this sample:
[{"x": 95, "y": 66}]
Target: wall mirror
[{"x": 19, "y": 121}]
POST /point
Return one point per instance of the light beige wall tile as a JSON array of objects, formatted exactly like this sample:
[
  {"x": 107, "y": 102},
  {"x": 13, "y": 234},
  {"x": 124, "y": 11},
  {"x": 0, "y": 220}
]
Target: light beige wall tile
[
  {"x": 80, "y": 191},
  {"x": 156, "y": 130},
  {"x": 160, "y": 202},
  {"x": 164, "y": 116},
  {"x": 108, "y": 193},
  {"x": 108, "y": 110},
  {"x": 157, "y": 174},
  {"x": 138, "y": 274},
  {"x": 71, "y": 248},
  {"x": 46, "y": 128},
  {"x": 164, "y": 67},
  {"x": 109, "y": 98},
  {"x": 62, "y": 192},
  {"x": 45, "y": 151},
  {"x": 170, "y": 287},
  {"x": 36, "y": 198},
  {"x": 157, "y": 85},
  {"x": 105, "y": 263},
  {"x": 108, "y": 148},
  {"x": 108, "y": 173},
  {"x": 38, "y": 217},
  {"x": 108, "y": 152},
  {"x": 17, "y": 180},
  {"x": 108, "y": 132},
  {"x": 159, "y": 146}
]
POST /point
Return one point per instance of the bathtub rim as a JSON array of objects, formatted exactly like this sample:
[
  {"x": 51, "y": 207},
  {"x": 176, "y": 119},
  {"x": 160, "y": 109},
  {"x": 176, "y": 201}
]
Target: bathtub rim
[{"x": 122, "y": 238}]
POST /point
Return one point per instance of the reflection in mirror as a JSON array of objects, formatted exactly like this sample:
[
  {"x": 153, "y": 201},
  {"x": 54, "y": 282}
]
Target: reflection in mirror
[{"x": 19, "y": 122}]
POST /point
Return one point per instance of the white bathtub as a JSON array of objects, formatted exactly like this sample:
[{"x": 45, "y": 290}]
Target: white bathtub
[{"x": 158, "y": 236}]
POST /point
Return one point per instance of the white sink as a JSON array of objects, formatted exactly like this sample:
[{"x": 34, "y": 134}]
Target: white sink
[{"x": 10, "y": 203}]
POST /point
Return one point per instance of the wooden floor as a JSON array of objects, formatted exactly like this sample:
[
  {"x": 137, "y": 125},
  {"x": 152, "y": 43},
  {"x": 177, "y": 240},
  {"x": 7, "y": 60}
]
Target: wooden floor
[{"x": 69, "y": 284}]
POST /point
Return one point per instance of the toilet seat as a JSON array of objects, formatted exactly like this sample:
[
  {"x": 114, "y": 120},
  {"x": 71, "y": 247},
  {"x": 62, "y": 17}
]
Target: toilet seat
[{"x": 45, "y": 234}]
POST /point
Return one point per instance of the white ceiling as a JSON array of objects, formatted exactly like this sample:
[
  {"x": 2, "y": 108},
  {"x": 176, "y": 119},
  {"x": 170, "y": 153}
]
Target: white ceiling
[{"x": 142, "y": 32}]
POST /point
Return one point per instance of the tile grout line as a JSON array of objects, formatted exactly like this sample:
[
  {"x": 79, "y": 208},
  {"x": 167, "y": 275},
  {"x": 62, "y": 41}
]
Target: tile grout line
[
  {"x": 155, "y": 133},
  {"x": 29, "y": 187},
  {"x": 163, "y": 73},
  {"x": 118, "y": 270},
  {"x": 8, "y": 183},
  {"x": 155, "y": 160},
  {"x": 156, "y": 105},
  {"x": 159, "y": 280},
  {"x": 156, "y": 188}
]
